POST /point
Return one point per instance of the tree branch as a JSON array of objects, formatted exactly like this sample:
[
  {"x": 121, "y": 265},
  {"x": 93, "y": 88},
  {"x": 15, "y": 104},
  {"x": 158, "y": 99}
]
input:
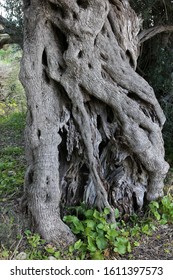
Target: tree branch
[
  {"x": 5, "y": 39},
  {"x": 14, "y": 32},
  {"x": 147, "y": 34}
]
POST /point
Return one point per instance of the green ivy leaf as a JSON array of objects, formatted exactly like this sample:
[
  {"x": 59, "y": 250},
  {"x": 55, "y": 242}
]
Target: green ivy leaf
[
  {"x": 100, "y": 226},
  {"x": 112, "y": 234},
  {"x": 91, "y": 224},
  {"x": 91, "y": 245},
  {"x": 136, "y": 243},
  {"x": 106, "y": 211},
  {"x": 70, "y": 219},
  {"x": 101, "y": 243},
  {"x": 121, "y": 245},
  {"x": 57, "y": 255},
  {"x": 92, "y": 248},
  {"x": 78, "y": 244},
  {"x": 92, "y": 234},
  {"x": 113, "y": 226},
  {"x": 77, "y": 224},
  {"x": 50, "y": 250},
  {"x": 28, "y": 232},
  {"x": 117, "y": 213},
  {"x": 145, "y": 229},
  {"x": 155, "y": 204},
  {"x": 89, "y": 213},
  {"x": 78, "y": 228},
  {"x": 100, "y": 232},
  {"x": 97, "y": 256},
  {"x": 96, "y": 214},
  {"x": 129, "y": 249},
  {"x": 71, "y": 248},
  {"x": 120, "y": 249}
]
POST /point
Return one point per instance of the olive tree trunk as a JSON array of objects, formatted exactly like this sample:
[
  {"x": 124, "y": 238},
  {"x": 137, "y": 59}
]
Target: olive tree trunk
[{"x": 94, "y": 125}]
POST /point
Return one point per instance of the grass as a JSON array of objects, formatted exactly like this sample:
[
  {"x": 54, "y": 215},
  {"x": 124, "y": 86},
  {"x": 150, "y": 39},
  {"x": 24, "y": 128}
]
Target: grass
[
  {"x": 12, "y": 127},
  {"x": 12, "y": 170},
  {"x": 12, "y": 164},
  {"x": 11, "y": 54},
  {"x": 12, "y": 93},
  {"x": 14, "y": 121}
]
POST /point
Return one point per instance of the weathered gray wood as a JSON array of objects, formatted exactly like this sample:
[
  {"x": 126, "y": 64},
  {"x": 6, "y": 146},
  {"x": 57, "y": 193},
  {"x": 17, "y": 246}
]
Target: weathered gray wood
[{"x": 94, "y": 125}]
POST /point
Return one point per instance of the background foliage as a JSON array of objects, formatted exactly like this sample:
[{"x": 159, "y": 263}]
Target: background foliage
[
  {"x": 13, "y": 10},
  {"x": 155, "y": 63}
]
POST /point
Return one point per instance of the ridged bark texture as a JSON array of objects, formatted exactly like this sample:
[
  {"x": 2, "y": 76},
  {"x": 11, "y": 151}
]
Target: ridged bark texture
[{"x": 94, "y": 125}]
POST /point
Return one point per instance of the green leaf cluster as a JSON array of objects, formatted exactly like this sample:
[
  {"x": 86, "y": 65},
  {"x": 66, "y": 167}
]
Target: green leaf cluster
[
  {"x": 35, "y": 246},
  {"x": 163, "y": 210},
  {"x": 39, "y": 249},
  {"x": 95, "y": 234}
]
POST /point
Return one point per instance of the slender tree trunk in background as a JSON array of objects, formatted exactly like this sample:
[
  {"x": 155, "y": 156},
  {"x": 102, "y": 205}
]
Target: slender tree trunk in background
[{"x": 93, "y": 125}]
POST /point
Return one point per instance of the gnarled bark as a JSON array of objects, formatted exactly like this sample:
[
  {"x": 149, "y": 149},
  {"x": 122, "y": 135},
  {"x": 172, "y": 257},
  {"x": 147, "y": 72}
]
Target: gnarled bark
[
  {"x": 147, "y": 34},
  {"x": 94, "y": 125},
  {"x": 15, "y": 34},
  {"x": 4, "y": 39}
]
